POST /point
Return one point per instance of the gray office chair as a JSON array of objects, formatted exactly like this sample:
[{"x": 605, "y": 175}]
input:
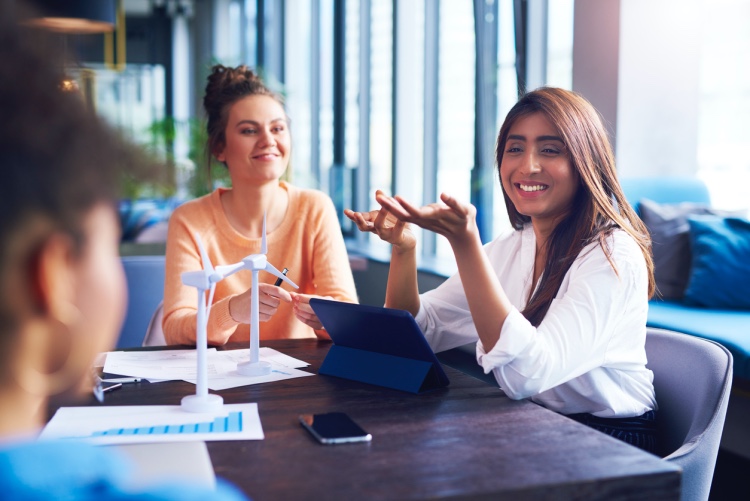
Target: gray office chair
[
  {"x": 155, "y": 334},
  {"x": 145, "y": 279},
  {"x": 692, "y": 379}
]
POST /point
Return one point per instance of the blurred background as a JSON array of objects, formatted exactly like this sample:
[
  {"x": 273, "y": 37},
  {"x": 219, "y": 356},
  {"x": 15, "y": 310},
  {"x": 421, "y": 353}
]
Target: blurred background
[{"x": 408, "y": 95}]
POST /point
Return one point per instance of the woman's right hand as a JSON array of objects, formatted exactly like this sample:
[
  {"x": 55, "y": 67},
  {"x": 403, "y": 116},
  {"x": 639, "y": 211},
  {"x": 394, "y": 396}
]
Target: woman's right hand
[
  {"x": 385, "y": 225},
  {"x": 269, "y": 299}
]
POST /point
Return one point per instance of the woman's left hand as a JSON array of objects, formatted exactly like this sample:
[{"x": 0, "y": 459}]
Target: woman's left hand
[
  {"x": 304, "y": 312},
  {"x": 449, "y": 217}
]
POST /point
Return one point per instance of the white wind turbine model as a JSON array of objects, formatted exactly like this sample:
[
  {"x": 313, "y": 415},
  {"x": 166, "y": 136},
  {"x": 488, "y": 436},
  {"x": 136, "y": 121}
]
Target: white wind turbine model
[
  {"x": 203, "y": 280},
  {"x": 256, "y": 263}
]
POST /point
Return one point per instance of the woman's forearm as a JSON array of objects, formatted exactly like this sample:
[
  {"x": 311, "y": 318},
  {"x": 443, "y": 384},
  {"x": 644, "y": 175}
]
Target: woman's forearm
[
  {"x": 402, "y": 291},
  {"x": 488, "y": 303}
]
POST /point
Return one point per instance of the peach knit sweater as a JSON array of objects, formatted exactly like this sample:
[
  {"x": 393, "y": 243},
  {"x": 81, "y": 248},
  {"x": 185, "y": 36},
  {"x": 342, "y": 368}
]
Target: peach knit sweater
[{"x": 308, "y": 242}]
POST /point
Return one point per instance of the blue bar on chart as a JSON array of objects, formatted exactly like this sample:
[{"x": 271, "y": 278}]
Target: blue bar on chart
[{"x": 229, "y": 424}]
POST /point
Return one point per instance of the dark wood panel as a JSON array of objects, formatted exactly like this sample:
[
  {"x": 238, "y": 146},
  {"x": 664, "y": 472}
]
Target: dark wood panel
[{"x": 467, "y": 441}]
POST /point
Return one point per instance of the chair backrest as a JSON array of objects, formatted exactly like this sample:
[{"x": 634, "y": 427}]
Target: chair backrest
[
  {"x": 154, "y": 333},
  {"x": 692, "y": 380},
  {"x": 665, "y": 190},
  {"x": 145, "y": 278}
]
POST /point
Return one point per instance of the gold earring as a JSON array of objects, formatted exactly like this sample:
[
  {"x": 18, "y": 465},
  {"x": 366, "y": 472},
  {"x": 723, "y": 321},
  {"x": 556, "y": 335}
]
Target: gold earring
[
  {"x": 36, "y": 382},
  {"x": 68, "y": 315}
]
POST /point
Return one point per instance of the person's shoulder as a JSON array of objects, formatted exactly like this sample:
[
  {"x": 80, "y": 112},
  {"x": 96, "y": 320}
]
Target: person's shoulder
[
  {"x": 196, "y": 209},
  {"x": 197, "y": 204},
  {"x": 56, "y": 451},
  {"x": 620, "y": 249},
  {"x": 58, "y": 469},
  {"x": 308, "y": 200},
  {"x": 622, "y": 243},
  {"x": 309, "y": 195}
]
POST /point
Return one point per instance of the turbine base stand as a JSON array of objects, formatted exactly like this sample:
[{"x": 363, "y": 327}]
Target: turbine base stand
[
  {"x": 254, "y": 368},
  {"x": 202, "y": 403}
]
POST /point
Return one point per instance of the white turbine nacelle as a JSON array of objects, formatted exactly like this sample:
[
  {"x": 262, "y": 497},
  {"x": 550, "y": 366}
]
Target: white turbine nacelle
[
  {"x": 200, "y": 279},
  {"x": 255, "y": 262}
]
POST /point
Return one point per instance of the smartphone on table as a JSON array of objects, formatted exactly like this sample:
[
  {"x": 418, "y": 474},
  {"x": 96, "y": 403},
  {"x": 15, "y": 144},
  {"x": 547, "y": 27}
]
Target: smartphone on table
[{"x": 334, "y": 428}]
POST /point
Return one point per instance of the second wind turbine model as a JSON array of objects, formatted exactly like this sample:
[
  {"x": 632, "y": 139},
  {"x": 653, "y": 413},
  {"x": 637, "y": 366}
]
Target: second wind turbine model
[
  {"x": 205, "y": 280},
  {"x": 256, "y": 263}
]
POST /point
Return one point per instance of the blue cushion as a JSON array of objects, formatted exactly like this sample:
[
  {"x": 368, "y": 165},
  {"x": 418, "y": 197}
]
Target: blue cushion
[
  {"x": 730, "y": 328},
  {"x": 669, "y": 229},
  {"x": 720, "y": 273}
]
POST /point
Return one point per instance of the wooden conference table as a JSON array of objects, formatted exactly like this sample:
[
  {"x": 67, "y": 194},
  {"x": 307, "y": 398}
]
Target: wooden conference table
[{"x": 466, "y": 441}]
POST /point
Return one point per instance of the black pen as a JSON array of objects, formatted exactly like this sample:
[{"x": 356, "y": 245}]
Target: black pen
[{"x": 278, "y": 280}]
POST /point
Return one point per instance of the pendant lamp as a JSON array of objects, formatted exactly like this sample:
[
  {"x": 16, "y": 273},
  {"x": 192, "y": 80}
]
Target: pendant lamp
[{"x": 79, "y": 17}]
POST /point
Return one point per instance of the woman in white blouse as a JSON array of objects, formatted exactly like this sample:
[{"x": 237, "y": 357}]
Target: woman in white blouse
[{"x": 559, "y": 303}]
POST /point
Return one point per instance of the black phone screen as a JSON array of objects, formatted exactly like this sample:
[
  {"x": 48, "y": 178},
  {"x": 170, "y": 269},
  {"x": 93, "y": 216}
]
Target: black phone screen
[{"x": 334, "y": 428}]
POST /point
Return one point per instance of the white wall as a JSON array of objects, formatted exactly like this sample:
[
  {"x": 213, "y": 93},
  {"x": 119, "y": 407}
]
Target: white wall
[
  {"x": 595, "y": 56},
  {"x": 659, "y": 87}
]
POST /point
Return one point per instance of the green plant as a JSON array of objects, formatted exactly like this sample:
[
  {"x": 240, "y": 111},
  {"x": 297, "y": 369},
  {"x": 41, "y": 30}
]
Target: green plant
[{"x": 194, "y": 176}]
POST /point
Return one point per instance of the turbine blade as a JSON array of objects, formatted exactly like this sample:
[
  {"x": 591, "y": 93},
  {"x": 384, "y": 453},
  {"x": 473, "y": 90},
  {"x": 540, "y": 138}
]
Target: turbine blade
[
  {"x": 273, "y": 271},
  {"x": 210, "y": 300},
  {"x": 263, "y": 247},
  {"x": 197, "y": 279},
  {"x": 204, "y": 255},
  {"x": 228, "y": 269}
]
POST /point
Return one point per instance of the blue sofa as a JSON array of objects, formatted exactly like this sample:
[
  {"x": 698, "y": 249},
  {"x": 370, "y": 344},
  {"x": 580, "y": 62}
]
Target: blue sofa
[{"x": 731, "y": 328}]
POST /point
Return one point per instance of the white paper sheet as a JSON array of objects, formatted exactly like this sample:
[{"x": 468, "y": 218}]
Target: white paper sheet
[
  {"x": 233, "y": 379},
  {"x": 267, "y": 355},
  {"x": 162, "y": 364},
  {"x": 186, "y": 462},
  {"x": 153, "y": 423},
  {"x": 222, "y": 366}
]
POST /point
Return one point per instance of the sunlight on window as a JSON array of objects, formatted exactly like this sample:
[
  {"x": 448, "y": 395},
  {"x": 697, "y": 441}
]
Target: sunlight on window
[
  {"x": 351, "y": 130},
  {"x": 507, "y": 95},
  {"x": 725, "y": 103},
  {"x": 298, "y": 90},
  {"x": 455, "y": 104},
  {"x": 381, "y": 79},
  {"x": 560, "y": 44}
]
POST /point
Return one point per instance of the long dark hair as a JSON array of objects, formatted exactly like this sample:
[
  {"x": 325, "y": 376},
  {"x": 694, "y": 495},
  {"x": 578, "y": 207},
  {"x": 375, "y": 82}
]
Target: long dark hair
[{"x": 599, "y": 205}]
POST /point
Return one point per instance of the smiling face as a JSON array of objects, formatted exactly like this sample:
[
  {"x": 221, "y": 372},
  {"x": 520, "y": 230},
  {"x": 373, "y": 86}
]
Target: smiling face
[
  {"x": 536, "y": 171},
  {"x": 257, "y": 141}
]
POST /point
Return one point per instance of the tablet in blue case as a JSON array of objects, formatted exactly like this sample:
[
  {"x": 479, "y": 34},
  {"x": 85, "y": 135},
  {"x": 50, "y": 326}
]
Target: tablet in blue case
[{"x": 381, "y": 346}]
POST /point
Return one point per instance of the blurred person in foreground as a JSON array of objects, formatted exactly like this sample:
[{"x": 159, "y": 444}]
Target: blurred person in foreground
[{"x": 62, "y": 296}]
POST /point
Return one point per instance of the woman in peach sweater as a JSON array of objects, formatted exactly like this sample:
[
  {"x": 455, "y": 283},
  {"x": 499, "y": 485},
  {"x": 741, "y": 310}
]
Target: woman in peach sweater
[{"x": 249, "y": 133}]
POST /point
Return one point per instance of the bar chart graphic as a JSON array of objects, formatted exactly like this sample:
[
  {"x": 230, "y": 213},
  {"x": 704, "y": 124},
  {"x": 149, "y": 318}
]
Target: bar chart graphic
[
  {"x": 229, "y": 424},
  {"x": 130, "y": 424}
]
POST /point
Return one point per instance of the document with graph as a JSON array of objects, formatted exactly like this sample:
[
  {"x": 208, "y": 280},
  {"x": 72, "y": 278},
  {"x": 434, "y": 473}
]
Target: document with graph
[{"x": 153, "y": 423}]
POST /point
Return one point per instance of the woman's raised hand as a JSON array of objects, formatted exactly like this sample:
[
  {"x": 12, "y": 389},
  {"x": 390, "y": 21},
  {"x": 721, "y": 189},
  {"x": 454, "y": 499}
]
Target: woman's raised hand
[
  {"x": 385, "y": 225},
  {"x": 449, "y": 217}
]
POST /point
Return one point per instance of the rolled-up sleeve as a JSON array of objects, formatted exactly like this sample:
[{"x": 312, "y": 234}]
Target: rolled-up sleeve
[{"x": 578, "y": 330}]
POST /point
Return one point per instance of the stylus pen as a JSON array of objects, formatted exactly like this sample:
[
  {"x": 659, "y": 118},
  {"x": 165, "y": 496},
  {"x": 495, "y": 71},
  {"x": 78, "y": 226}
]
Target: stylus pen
[
  {"x": 278, "y": 280},
  {"x": 114, "y": 387},
  {"x": 122, "y": 380}
]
